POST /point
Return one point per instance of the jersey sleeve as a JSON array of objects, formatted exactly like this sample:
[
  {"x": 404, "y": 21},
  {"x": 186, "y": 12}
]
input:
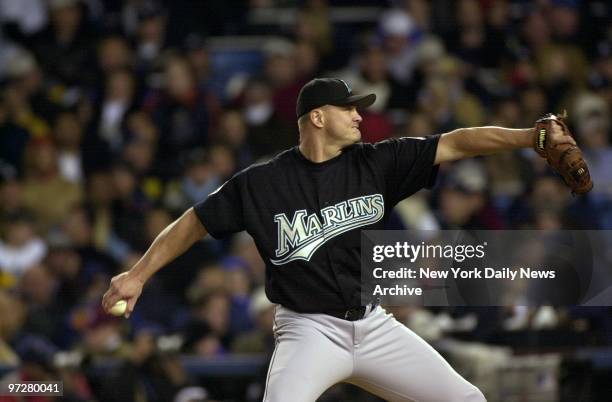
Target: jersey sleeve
[
  {"x": 221, "y": 213},
  {"x": 408, "y": 165}
]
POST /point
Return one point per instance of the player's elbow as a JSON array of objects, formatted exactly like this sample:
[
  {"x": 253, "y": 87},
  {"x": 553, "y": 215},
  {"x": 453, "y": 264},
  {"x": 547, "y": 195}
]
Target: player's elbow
[{"x": 450, "y": 148}]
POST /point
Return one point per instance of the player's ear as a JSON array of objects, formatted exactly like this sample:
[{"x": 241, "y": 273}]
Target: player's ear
[{"x": 317, "y": 117}]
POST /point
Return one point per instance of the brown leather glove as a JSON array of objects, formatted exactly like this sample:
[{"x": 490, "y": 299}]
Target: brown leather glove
[{"x": 566, "y": 159}]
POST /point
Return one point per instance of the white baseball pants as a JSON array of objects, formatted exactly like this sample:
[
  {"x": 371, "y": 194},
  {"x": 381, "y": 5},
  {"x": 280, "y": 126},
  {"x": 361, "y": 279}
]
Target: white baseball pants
[{"x": 377, "y": 353}]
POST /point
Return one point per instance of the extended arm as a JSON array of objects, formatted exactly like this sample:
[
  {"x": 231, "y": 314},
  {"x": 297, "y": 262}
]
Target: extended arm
[
  {"x": 173, "y": 241},
  {"x": 468, "y": 142}
]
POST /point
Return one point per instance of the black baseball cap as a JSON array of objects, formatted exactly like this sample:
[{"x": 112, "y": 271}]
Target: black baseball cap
[{"x": 329, "y": 91}]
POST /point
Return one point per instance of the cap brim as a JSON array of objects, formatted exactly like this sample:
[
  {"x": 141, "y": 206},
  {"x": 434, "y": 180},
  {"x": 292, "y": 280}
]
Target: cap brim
[{"x": 360, "y": 101}]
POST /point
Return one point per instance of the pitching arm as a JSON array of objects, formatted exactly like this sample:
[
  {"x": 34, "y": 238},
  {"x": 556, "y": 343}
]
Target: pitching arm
[{"x": 173, "y": 241}]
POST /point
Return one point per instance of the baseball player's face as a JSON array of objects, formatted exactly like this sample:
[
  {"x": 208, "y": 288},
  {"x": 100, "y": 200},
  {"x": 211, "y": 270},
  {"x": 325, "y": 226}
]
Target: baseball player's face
[{"x": 343, "y": 124}]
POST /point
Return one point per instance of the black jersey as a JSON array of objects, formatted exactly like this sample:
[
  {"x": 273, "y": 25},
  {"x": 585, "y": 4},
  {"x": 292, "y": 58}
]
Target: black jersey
[{"x": 306, "y": 217}]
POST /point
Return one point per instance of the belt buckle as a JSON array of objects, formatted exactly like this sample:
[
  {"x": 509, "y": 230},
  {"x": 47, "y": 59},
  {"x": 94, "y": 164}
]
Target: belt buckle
[{"x": 349, "y": 315}]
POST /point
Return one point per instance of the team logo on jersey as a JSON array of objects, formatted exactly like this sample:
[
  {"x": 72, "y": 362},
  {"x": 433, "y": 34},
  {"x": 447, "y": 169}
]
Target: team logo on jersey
[{"x": 300, "y": 237}]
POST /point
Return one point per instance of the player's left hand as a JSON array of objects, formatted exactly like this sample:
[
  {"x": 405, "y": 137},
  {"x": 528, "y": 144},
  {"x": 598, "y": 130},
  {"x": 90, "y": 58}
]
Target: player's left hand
[{"x": 554, "y": 142}]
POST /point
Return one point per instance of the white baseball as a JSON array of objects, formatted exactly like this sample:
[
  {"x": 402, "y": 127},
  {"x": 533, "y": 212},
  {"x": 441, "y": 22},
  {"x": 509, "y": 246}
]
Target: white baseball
[{"x": 119, "y": 308}]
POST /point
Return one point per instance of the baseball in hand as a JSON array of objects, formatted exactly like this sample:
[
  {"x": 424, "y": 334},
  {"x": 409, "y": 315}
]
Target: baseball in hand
[{"x": 118, "y": 308}]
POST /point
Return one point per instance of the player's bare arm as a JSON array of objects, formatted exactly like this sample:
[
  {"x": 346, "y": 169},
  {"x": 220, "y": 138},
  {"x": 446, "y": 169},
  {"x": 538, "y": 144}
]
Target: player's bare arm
[
  {"x": 468, "y": 142},
  {"x": 173, "y": 241}
]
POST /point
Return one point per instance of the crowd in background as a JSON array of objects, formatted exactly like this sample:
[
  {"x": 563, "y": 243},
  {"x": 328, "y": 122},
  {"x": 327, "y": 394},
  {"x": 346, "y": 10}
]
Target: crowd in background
[{"x": 113, "y": 121}]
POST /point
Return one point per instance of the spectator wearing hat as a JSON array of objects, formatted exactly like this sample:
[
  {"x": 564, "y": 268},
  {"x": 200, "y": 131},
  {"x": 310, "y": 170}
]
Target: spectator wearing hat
[
  {"x": 464, "y": 202},
  {"x": 397, "y": 29}
]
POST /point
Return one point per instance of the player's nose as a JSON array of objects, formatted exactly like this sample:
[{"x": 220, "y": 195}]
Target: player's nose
[{"x": 357, "y": 117}]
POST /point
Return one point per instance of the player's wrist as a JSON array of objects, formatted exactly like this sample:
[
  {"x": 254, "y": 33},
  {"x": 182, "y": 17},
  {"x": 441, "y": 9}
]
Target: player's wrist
[{"x": 139, "y": 274}]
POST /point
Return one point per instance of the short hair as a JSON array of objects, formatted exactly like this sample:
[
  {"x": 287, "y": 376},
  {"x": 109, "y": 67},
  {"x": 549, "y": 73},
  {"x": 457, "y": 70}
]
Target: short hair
[{"x": 303, "y": 119}]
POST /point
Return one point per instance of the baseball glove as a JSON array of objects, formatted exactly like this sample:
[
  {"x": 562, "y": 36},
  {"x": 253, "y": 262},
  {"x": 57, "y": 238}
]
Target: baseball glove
[{"x": 565, "y": 159}]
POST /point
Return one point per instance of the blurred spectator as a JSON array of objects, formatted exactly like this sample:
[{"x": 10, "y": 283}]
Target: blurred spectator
[
  {"x": 223, "y": 160},
  {"x": 65, "y": 48},
  {"x": 114, "y": 53},
  {"x": 207, "y": 333},
  {"x": 151, "y": 27},
  {"x": 601, "y": 74},
  {"x": 260, "y": 339},
  {"x": 373, "y": 77},
  {"x": 11, "y": 194},
  {"x": 77, "y": 230},
  {"x": 65, "y": 264},
  {"x": 148, "y": 374},
  {"x": 546, "y": 206},
  {"x": 20, "y": 247},
  {"x": 12, "y": 316},
  {"x": 100, "y": 196},
  {"x": 307, "y": 61},
  {"x": 238, "y": 286},
  {"x": 474, "y": 42},
  {"x": 232, "y": 131},
  {"x": 27, "y": 77},
  {"x": 444, "y": 99},
  {"x": 36, "y": 355},
  {"x": 243, "y": 246},
  {"x": 397, "y": 28},
  {"x": 199, "y": 180},
  {"x": 38, "y": 289},
  {"x": 181, "y": 111},
  {"x": 44, "y": 183},
  {"x": 313, "y": 25},
  {"x": 282, "y": 75},
  {"x": 533, "y": 104},
  {"x": 102, "y": 334},
  {"x": 209, "y": 278},
  {"x": 29, "y": 15},
  {"x": 67, "y": 135},
  {"x": 119, "y": 98},
  {"x": 267, "y": 132},
  {"x": 13, "y": 140},
  {"x": 199, "y": 57},
  {"x": 592, "y": 117},
  {"x": 128, "y": 212},
  {"x": 38, "y": 364},
  {"x": 464, "y": 202}
]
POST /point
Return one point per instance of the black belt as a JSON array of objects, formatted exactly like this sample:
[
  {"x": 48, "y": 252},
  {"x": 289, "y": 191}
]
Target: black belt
[{"x": 352, "y": 314}]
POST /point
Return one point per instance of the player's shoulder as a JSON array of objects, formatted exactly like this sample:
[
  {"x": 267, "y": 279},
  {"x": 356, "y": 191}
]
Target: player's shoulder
[
  {"x": 398, "y": 141},
  {"x": 277, "y": 162}
]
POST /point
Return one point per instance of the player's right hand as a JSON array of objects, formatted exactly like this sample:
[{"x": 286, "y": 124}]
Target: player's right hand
[{"x": 125, "y": 286}]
